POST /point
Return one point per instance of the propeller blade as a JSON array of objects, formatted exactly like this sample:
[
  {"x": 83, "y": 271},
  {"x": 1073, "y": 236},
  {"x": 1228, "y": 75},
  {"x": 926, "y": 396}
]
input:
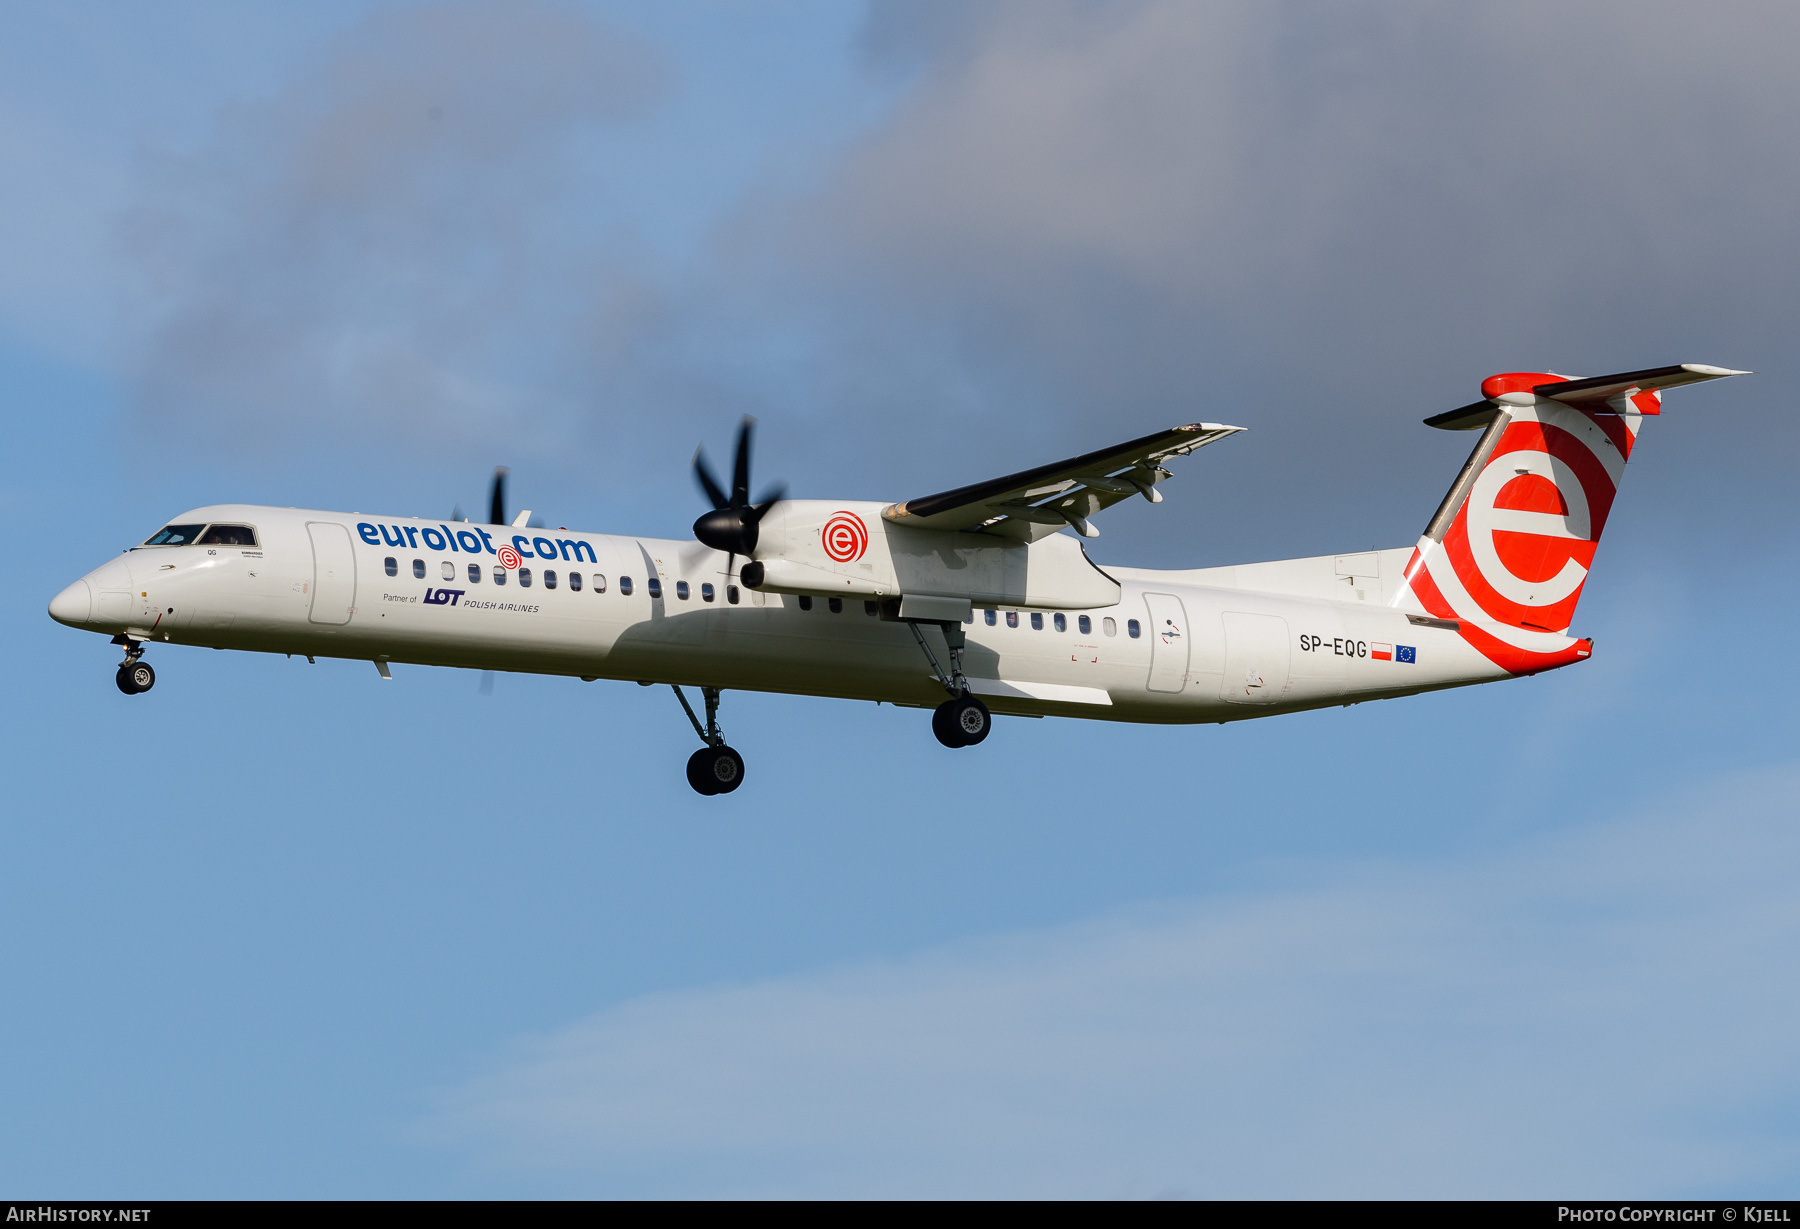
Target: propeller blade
[
  {"x": 456, "y": 513},
  {"x": 771, "y": 497},
  {"x": 708, "y": 483},
  {"x": 740, "y": 470},
  {"x": 497, "y": 501}
]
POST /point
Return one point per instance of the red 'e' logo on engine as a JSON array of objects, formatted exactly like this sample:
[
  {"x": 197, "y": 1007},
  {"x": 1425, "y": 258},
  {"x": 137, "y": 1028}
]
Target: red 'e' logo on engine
[{"x": 844, "y": 538}]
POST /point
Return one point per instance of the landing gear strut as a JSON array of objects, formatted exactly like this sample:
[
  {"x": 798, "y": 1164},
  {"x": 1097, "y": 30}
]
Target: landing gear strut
[
  {"x": 715, "y": 768},
  {"x": 135, "y": 674},
  {"x": 962, "y": 720}
]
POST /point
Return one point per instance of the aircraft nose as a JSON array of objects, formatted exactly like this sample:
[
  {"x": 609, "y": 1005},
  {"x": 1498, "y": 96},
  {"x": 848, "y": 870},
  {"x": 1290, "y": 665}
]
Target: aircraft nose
[{"x": 73, "y": 605}]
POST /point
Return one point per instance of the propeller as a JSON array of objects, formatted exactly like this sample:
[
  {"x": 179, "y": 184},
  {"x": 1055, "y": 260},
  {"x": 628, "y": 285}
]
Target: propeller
[
  {"x": 496, "y": 516},
  {"x": 497, "y": 498},
  {"x": 732, "y": 524}
]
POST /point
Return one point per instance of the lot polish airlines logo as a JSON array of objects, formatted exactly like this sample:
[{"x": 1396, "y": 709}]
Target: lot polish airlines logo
[
  {"x": 443, "y": 597},
  {"x": 844, "y": 538}
]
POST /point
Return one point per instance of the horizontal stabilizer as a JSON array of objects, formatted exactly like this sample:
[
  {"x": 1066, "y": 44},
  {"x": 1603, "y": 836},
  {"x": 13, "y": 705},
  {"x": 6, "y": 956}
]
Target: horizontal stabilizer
[
  {"x": 1593, "y": 393},
  {"x": 1597, "y": 390}
]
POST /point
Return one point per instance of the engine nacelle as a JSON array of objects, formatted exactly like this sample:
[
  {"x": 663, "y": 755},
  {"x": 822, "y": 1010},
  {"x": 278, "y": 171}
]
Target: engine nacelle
[{"x": 848, "y": 549}]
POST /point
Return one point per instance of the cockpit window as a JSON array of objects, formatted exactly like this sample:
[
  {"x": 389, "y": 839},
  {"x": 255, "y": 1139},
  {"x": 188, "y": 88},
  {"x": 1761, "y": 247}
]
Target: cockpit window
[
  {"x": 175, "y": 535},
  {"x": 229, "y": 535}
]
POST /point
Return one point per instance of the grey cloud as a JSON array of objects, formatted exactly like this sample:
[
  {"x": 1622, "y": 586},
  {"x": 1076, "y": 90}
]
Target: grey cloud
[
  {"x": 378, "y": 243},
  {"x": 1586, "y": 1014},
  {"x": 1078, "y": 223},
  {"x": 1321, "y": 222}
]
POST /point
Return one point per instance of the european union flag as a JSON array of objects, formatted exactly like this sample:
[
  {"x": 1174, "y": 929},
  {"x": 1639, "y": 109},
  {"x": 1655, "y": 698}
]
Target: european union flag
[{"x": 1406, "y": 653}]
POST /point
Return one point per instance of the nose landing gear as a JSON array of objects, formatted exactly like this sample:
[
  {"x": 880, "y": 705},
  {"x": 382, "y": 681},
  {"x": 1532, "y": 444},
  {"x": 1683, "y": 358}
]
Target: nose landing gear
[
  {"x": 135, "y": 674},
  {"x": 715, "y": 768}
]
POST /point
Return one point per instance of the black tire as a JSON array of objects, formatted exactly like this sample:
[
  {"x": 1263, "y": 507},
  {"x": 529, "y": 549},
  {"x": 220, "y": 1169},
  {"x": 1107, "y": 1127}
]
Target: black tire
[
  {"x": 962, "y": 722},
  {"x": 715, "y": 770},
  {"x": 135, "y": 677},
  {"x": 943, "y": 724}
]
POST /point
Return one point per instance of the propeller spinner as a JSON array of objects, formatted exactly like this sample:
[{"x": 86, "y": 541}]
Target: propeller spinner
[{"x": 732, "y": 524}]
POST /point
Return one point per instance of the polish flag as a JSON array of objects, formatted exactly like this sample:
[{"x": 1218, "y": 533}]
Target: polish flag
[{"x": 1381, "y": 652}]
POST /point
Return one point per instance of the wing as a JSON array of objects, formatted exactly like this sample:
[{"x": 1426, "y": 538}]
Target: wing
[{"x": 1038, "y": 502}]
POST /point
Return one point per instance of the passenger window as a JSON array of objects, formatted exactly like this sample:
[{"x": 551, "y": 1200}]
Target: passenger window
[
  {"x": 524, "y": 578},
  {"x": 731, "y": 594},
  {"x": 1112, "y": 629},
  {"x": 706, "y": 592},
  {"x": 1037, "y": 621},
  {"x": 449, "y": 570},
  {"x": 1012, "y": 618},
  {"x": 229, "y": 535},
  {"x": 175, "y": 535},
  {"x": 1062, "y": 623},
  {"x": 1084, "y": 625},
  {"x": 419, "y": 568},
  {"x": 806, "y": 603},
  {"x": 625, "y": 586},
  {"x": 499, "y": 575},
  {"x": 600, "y": 583},
  {"x": 549, "y": 579},
  {"x": 1132, "y": 629},
  {"x": 389, "y": 566},
  {"x": 835, "y": 605},
  {"x": 871, "y": 608},
  {"x": 989, "y": 617},
  {"x": 575, "y": 582},
  {"x": 681, "y": 590},
  {"x": 655, "y": 583},
  {"x": 474, "y": 573}
]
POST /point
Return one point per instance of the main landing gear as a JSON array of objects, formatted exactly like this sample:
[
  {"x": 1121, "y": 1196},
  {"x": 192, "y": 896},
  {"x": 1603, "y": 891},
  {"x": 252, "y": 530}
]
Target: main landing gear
[
  {"x": 715, "y": 768},
  {"x": 962, "y": 720},
  {"x": 135, "y": 674}
]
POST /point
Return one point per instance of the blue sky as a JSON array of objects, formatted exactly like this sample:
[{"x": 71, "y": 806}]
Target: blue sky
[{"x": 280, "y": 929}]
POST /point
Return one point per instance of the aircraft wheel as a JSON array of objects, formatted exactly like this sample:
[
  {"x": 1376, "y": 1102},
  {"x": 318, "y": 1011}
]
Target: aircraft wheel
[
  {"x": 135, "y": 677},
  {"x": 715, "y": 770},
  {"x": 962, "y": 722},
  {"x": 942, "y": 724}
]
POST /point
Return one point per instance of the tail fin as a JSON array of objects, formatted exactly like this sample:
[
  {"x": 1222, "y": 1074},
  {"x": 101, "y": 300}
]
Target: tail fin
[{"x": 1511, "y": 545}]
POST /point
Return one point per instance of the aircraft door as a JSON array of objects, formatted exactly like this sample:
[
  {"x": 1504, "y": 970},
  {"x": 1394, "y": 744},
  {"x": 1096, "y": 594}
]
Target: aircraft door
[
  {"x": 1168, "y": 642},
  {"x": 1256, "y": 659},
  {"x": 334, "y": 573}
]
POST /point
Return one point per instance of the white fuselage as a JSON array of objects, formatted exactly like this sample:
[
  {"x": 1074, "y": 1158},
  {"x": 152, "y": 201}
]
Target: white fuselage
[{"x": 1176, "y": 647}]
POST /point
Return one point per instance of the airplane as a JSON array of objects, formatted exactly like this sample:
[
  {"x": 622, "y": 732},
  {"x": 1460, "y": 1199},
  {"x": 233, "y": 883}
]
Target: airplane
[{"x": 971, "y": 602}]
